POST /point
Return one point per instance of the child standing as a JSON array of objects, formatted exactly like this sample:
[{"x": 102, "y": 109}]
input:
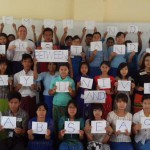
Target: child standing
[
  {"x": 119, "y": 140},
  {"x": 105, "y": 67}
]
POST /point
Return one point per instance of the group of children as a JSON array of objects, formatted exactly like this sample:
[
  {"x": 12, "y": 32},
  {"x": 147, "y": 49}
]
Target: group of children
[{"x": 56, "y": 108}]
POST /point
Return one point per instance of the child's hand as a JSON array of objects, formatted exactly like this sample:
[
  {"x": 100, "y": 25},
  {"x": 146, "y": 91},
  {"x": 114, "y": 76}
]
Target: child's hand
[
  {"x": 117, "y": 132},
  {"x": 42, "y": 29},
  {"x": 139, "y": 33},
  {"x": 33, "y": 28},
  {"x": 54, "y": 89},
  {"x": 137, "y": 127},
  {"x": 105, "y": 34},
  {"x": 14, "y": 26},
  {"x": 62, "y": 132},
  {"x": 108, "y": 91},
  {"x": 140, "y": 88},
  {"x": 48, "y": 132},
  {"x": 109, "y": 130},
  {"x": 78, "y": 84},
  {"x": 70, "y": 89},
  {"x": 95, "y": 29},
  {"x": 125, "y": 33},
  {"x": 132, "y": 85},
  {"x": 55, "y": 29},
  {"x": 87, "y": 128},
  {"x": 127, "y": 133},
  {"x": 113, "y": 54},
  {"x": 94, "y": 52},
  {"x": 19, "y": 86},
  {"x": 29, "y": 49},
  {"x": 33, "y": 87},
  {"x": 10, "y": 81},
  {"x": 1, "y": 26},
  {"x": 18, "y": 130},
  {"x": 81, "y": 133},
  {"x": 30, "y": 132},
  {"x": 35, "y": 61},
  {"x": 1, "y": 127},
  {"x": 12, "y": 47},
  {"x": 116, "y": 84},
  {"x": 132, "y": 54},
  {"x": 98, "y": 87},
  {"x": 84, "y": 31},
  {"x": 65, "y": 29}
]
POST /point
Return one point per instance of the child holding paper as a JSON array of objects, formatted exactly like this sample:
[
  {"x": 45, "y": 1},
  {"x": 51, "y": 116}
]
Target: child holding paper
[
  {"x": 71, "y": 141},
  {"x": 143, "y": 76},
  {"x": 46, "y": 78},
  {"x": 120, "y": 140},
  {"x": 16, "y": 138},
  {"x": 27, "y": 91},
  {"x": 95, "y": 57},
  {"x": 105, "y": 67},
  {"x": 142, "y": 135},
  {"x": 84, "y": 109},
  {"x": 97, "y": 140},
  {"x": 123, "y": 75},
  {"x": 39, "y": 141},
  {"x": 115, "y": 58},
  {"x": 76, "y": 60},
  {"x": 62, "y": 94},
  {"x": 18, "y": 47},
  {"x": 4, "y": 89}
]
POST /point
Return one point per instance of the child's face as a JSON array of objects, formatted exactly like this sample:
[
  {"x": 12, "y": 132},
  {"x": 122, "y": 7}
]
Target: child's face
[
  {"x": 88, "y": 40},
  {"x": 27, "y": 63},
  {"x": 120, "y": 39},
  {"x": 97, "y": 113},
  {"x": 121, "y": 105},
  {"x": 22, "y": 33},
  {"x": 14, "y": 105},
  {"x": 48, "y": 36},
  {"x": 147, "y": 62},
  {"x": 146, "y": 105},
  {"x": 11, "y": 38},
  {"x": 63, "y": 71},
  {"x": 3, "y": 67},
  {"x": 3, "y": 40},
  {"x": 84, "y": 69},
  {"x": 69, "y": 42},
  {"x": 72, "y": 110},
  {"x": 41, "y": 112},
  {"x": 96, "y": 37},
  {"x": 110, "y": 43},
  {"x": 104, "y": 68},
  {"x": 76, "y": 42},
  {"x": 52, "y": 67},
  {"x": 124, "y": 71}
]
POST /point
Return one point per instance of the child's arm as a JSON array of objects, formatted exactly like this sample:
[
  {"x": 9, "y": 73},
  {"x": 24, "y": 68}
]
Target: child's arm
[
  {"x": 112, "y": 56},
  {"x": 52, "y": 91},
  {"x": 136, "y": 128},
  {"x": 35, "y": 73},
  {"x": 47, "y": 136},
  {"x": 70, "y": 64},
  {"x": 1, "y": 27},
  {"x": 83, "y": 34},
  {"x": 40, "y": 36},
  {"x": 72, "y": 92},
  {"x": 87, "y": 131},
  {"x": 104, "y": 37},
  {"x": 132, "y": 54},
  {"x": 81, "y": 134},
  {"x": 62, "y": 41},
  {"x": 34, "y": 34},
  {"x": 139, "y": 34},
  {"x": 61, "y": 134},
  {"x": 15, "y": 29},
  {"x": 30, "y": 134},
  {"x": 55, "y": 36},
  {"x": 91, "y": 58}
]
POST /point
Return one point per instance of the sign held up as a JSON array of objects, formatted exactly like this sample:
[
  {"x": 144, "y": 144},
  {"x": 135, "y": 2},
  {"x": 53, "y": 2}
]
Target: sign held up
[
  {"x": 8, "y": 122},
  {"x": 86, "y": 83},
  {"x": 96, "y": 46},
  {"x": 123, "y": 125},
  {"x": 51, "y": 56},
  {"x": 98, "y": 126},
  {"x": 119, "y": 49},
  {"x": 72, "y": 127},
  {"x": 39, "y": 127},
  {"x": 94, "y": 96}
]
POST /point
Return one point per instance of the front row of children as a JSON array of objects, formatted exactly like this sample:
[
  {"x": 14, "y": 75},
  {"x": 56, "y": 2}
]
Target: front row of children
[{"x": 16, "y": 139}]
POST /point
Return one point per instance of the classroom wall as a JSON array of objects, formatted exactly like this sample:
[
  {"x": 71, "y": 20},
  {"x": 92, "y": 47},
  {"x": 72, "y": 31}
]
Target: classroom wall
[{"x": 98, "y": 10}]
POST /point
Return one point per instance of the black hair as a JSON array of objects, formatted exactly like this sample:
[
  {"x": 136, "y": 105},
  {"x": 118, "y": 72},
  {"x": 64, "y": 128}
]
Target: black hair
[
  {"x": 143, "y": 62},
  {"x": 97, "y": 33},
  {"x": 26, "y": 56},
  {"x": 87, "y": 64},
  {"x": 13, "y": 95},
  {"x": 95, "y": 106},
  {"x": 76, "y": 37},
  {"x": 89, "y": 35},
  {"x": 110, "y": 38},
  {"x": 107, "y": 63},
  {"x": 4, "y": 35},
  {"x": 12, "y": 35},
  {"x": 121, "y": 66},
  {"x": 3, "y": 60},
  {"x": 127, "y": 41},
  {"x": 122, "y": 96},
  {"x": 22, "y": 26},
  {"x": 75, "y": 104},
  {"x": 119, "y": 34},
  {"x": 63, "y": 64},
  {"x": 41, "y": 104},
  {"x": 68, "y": 37},
  {"x": 145, "y": 96},
  {"x": 47, "y": 30}
]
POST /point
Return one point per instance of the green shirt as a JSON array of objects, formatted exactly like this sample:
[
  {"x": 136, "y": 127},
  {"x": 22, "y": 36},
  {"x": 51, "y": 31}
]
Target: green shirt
[{"x": 62, "y": 98}]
